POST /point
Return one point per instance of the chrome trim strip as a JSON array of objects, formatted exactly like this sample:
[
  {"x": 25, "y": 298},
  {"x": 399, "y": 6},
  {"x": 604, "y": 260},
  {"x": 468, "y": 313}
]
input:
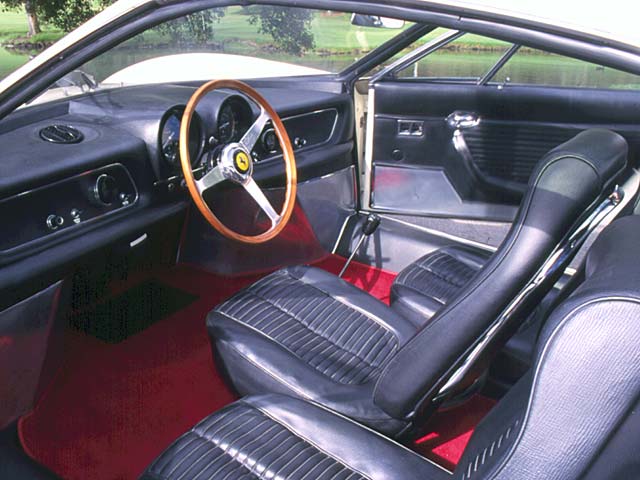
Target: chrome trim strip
[
  {"x": 418, "y": 54},
  {"x": 559, "y": 259},
  {"x": 138, "y": 240},
  {"x": 344, "y": 226},
  {"x": 366, "y": 171},
  {"x": 499, "y": 64},
  {"x": 438, "y": 233}
]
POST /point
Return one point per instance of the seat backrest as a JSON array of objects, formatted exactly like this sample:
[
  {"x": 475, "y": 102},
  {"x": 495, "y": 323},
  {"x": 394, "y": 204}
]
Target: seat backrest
[
  {"x": 567, "y": 185},
  {"x": 574, "y": 415}
]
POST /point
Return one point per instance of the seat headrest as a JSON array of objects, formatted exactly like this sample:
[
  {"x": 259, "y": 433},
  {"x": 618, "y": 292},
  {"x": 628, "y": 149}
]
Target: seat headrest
[{"x": 605, "y": 151}]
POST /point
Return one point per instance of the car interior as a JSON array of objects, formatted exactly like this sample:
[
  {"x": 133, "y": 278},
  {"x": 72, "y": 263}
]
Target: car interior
[{"x": 378, "y": 273}]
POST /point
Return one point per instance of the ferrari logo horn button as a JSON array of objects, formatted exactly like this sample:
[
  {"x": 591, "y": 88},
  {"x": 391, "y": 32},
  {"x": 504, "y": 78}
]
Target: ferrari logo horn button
[{"x": 241, "y": 161}]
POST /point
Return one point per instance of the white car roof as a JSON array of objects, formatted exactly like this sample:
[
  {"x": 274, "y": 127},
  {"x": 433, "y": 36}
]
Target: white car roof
[{"x": 614, "y": 19}]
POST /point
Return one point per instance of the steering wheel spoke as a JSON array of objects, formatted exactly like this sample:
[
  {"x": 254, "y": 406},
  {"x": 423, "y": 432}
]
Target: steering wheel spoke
[
  {"x": 250, "y": 138},
  {"x": 261, "y": 199},
  {"x": 210, "y": 179}
]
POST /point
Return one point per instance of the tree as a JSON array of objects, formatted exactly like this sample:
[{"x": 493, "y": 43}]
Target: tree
[
  {"x": 290, "y": 28},
  {"x": 30, "y": 9},
  {"x": 194, "y": 28},
  {"x": 32, "y": 18},
  {"x": 64, "y": 14}
]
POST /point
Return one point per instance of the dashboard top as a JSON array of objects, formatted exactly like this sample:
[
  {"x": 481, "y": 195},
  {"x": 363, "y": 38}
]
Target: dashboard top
[{"x": 126, "y": 121}]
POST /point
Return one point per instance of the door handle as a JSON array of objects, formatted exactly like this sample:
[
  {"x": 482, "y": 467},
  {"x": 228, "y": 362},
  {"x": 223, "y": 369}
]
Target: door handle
[{"x": 460, "y": 120}]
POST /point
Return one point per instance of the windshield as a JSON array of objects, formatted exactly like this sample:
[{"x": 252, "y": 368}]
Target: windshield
[{"x": 233, "y": 42}]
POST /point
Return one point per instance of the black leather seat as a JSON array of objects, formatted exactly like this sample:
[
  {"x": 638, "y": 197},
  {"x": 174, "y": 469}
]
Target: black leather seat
[
  {"x": 303, "y": 331},
  {"x": 572, "y": 416},
  {"x": 306, "y": 333},
  {"x": 276, "y": 436},
  {"x": 431, "y": 282}
]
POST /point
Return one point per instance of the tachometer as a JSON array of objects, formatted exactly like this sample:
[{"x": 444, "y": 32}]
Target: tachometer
[
  {"x": 234, "y": 118},
  {"x": 227, "y": 123}
]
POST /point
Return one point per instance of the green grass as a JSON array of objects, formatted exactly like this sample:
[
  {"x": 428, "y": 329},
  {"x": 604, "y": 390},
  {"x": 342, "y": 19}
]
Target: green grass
[{"x": 13, "y": 24}]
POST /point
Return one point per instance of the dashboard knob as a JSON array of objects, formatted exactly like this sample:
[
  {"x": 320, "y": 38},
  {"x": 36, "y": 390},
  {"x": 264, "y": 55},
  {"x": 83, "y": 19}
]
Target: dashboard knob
[
  {"x": 105, "y": 191},
  {"x": 54, "y": 222}
]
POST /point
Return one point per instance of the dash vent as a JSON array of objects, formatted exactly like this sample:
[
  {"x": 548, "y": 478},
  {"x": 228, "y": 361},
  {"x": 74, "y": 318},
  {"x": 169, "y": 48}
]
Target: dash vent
[{"x": 61, "y": 134}]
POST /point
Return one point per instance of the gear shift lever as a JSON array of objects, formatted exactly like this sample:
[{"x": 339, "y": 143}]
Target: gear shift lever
[{"x": 371, "y": 224}]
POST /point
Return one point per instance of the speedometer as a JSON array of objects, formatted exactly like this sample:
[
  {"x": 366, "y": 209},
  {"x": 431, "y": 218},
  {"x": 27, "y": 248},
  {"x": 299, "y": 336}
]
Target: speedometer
[{"x": 169, "y": 137}]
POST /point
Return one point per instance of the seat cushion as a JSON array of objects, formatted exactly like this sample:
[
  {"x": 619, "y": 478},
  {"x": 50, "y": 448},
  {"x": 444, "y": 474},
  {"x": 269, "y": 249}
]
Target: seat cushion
[
  {"x": 276, "y": 436},
  {"x": 302, "y": 331},
  {"x": 429, "y": 283}
]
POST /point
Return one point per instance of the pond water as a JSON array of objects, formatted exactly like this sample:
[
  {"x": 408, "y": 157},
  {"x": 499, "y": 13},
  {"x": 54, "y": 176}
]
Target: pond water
[
  {"x": 540, "y": 69},
  {"x": 9, "y": 61}
]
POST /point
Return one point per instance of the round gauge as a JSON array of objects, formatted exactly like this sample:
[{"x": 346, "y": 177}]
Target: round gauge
[
  {"x": 170, "y": 136},
  {"x": 169, "y": 139},
  {"x": 269, "y": 140},
  {"x": 227, "y": 123}
]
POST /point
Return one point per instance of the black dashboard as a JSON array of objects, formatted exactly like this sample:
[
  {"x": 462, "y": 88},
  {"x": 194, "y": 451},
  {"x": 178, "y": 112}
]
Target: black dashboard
[{"x": 79, "y": 173}]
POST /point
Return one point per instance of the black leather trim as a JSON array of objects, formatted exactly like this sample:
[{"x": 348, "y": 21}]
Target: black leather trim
[
  {"x": 570, "y": 180},
  {"x": 585, "y": 380},
  {"x": 429, "y": 283},
  {"x": 302, "y": 331},
  {"x": 276, "y": 436}
]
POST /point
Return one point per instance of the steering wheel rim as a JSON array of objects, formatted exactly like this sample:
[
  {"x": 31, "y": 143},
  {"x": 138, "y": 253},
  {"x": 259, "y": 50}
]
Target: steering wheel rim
[{"x": 235, "y": 164}]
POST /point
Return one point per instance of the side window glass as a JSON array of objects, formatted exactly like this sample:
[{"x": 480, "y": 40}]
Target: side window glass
[
  {"x": 465, "y": 59},
  {"x": 535, "y": 67}
]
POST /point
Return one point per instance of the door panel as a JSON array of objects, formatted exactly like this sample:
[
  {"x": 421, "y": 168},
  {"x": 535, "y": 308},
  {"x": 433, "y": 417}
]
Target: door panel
[{"x": 467, "y": 151}]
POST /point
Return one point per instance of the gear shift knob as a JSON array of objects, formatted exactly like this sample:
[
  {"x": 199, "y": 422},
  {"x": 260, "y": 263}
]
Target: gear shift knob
[{"x": 371, "y": 224}]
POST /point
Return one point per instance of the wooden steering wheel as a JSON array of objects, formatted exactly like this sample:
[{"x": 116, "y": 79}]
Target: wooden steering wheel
[{"x": 235, "y": 164}]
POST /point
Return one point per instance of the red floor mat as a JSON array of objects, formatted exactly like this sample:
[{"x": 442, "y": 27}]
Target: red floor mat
[
  {"x": 449, "y": 431},
  {"x": 114, "y": 407}
]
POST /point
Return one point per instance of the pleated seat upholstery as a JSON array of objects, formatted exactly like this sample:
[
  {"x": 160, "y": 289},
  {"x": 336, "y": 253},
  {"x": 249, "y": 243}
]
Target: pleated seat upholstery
[
  {"x": 572, "y": 416},
  {"x": 243, "y": 442},
  {"x": 338, "y": 341},
  {"x": 302, "y": 331},
  {"x": 279, "y": 437},
  {"x": 431, "y": 282}
]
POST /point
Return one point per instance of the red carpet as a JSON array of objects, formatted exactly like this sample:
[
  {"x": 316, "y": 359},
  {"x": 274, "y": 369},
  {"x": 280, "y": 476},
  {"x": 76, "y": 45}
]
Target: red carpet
[
  {"x": 370, "y": 279},
  {"x": 114, "y": 407},
  {"x": 449, "y": 431}
]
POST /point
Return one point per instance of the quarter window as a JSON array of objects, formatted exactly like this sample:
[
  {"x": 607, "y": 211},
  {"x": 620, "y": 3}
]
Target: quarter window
[{"x": 535, "y": 67}]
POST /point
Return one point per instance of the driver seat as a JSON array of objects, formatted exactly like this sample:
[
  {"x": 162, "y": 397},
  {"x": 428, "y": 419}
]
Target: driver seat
[{"x": 304, "y": 332}]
